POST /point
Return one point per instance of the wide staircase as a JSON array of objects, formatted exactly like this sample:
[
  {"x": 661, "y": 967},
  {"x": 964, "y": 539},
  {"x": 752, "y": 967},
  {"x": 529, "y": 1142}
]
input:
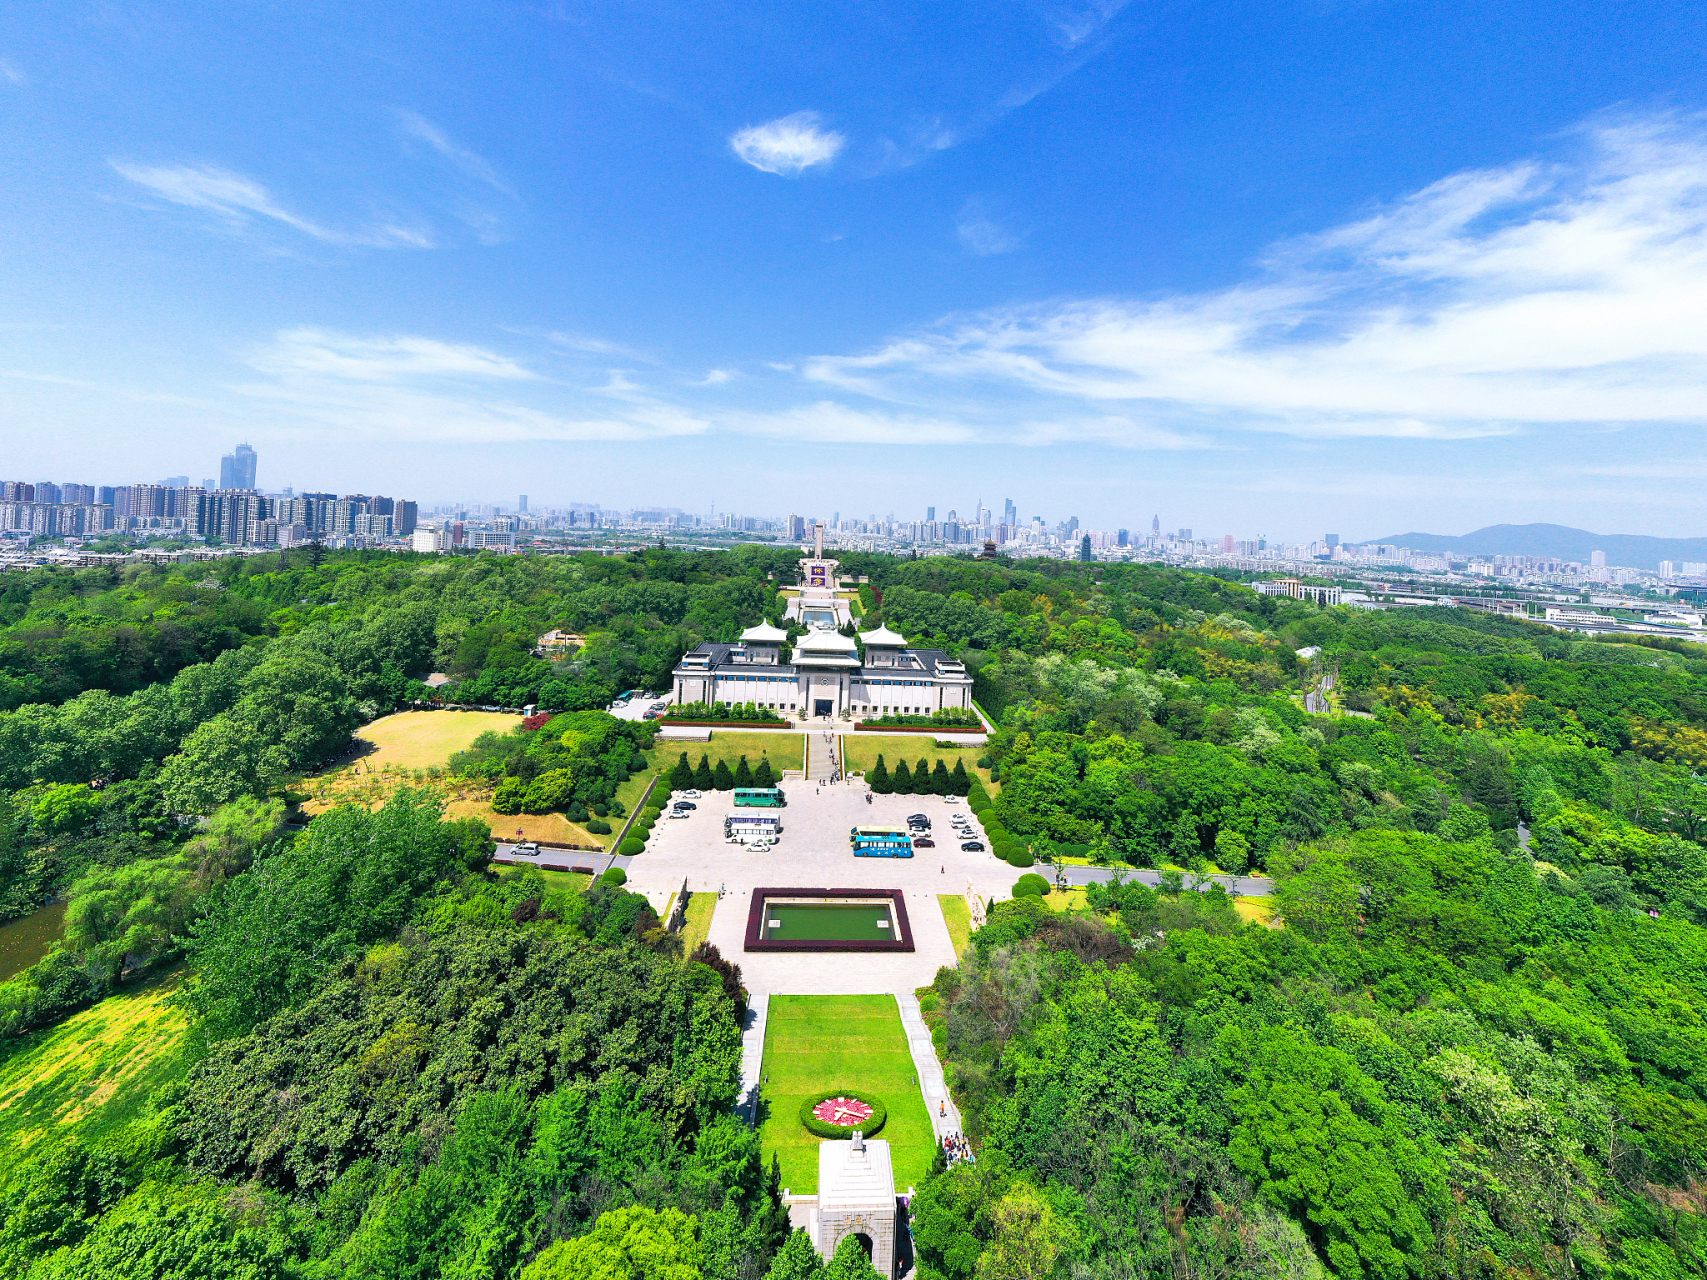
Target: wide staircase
[{"x": 823, "y": 756}]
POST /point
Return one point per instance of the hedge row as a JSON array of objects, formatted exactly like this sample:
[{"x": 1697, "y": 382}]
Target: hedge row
[
  {"x": 1003, "y": 843},
  {"x": 813, "y": 1125}
]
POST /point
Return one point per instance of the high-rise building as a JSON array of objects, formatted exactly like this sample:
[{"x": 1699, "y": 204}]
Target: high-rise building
[
  {"x": 930, "y": 514},
  {"x": 82, "y": 495},
  {"x": 176, "y": 482},
  {"x": 522, "y": 505},
  {"x": 403, "y": 518},
  {"x": 1332, "y": 539},
  {"x": 1085, "y": 547},
  {"x": 48, "y": 492},
  {"x": 1155, "y": 526},
  {"x": 237, "y": 469},
  {"x": 1226, "y": 542},
  {"x": 1597, "y": 559},
  {"x": 1121, "y": 539}
]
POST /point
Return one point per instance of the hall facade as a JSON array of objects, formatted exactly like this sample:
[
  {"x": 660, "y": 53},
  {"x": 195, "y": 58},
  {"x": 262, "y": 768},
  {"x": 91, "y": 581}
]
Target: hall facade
[{"x": 825, "y": 677}]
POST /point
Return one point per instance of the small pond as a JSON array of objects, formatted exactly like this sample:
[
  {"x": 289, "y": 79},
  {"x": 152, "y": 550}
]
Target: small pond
[
  {"x": 829, "y": 922},
  {"x": 25, "y": 940}
]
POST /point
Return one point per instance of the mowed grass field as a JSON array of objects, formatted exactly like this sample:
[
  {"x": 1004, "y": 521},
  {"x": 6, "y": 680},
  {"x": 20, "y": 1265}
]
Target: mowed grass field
[
  {"x": 862, "y": 750},
  {"x": 731, "y": 744},
  {"x": 91, "y": 1072},
  {"x": 422, "y": 739},
  {"x": 813, "y": 1043}
]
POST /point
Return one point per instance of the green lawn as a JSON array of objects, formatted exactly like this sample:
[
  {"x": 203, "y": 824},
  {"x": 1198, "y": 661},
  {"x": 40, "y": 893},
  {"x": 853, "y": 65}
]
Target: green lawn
[
  {"x": 93, "y": 1071},
  {"x": 731, "y": 744},
  {"x": 958, "y": 917},
  {"x": 864, "y": 748},
  {"x": 813, "y": 1043},
  {"x": 631, "y": 791},
  {"x": 698, "y": 925}
]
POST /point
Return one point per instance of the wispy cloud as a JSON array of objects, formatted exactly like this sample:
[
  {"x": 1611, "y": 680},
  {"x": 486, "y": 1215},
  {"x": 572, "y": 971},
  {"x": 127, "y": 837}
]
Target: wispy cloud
[
  {"x": 981, "y": 234},
  {"x": 415, "y": 125},
  {"x": 1490, "y": 302},
  {"x": 788, "y": 146},
  {"x": 410, "y": 389},
  {"x": 10, "y": 73},
  {"x": 240, "y": 200}
]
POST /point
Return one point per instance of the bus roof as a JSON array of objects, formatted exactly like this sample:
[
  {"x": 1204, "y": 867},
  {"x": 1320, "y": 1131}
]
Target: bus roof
[{"x": 878, "y": 831}]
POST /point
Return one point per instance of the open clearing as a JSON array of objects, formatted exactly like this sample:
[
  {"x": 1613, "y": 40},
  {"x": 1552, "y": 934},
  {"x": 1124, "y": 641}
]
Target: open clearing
[
  {"x": 862, "y": 750},
  {"x": 93, "y": 1070},
  {"x": 813, "y": 1043},
  {"x": 421, "y": 739},
  {"x": 1258, "y": 910}
]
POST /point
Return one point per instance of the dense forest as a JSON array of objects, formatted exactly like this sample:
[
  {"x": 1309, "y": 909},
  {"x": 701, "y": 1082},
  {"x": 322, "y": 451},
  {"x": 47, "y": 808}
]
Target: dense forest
[{"x": 1469, "y": 1046}]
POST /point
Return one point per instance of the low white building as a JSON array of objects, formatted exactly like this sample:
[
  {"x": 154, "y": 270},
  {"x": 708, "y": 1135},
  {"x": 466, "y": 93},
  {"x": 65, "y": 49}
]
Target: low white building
[{"x": 856, "y": 1197}]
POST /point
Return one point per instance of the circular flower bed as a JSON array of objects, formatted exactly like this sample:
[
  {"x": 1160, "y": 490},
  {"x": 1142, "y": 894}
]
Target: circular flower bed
[{"x": 836, "y": 1113}]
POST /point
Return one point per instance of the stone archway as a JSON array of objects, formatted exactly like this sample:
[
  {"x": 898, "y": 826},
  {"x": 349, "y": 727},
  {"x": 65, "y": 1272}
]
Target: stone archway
[{"x": 864, "y": 1243}]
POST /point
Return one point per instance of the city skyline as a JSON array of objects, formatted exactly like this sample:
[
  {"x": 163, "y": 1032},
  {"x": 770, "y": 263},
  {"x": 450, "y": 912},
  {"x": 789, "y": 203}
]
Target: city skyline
[{"x": 1365, "y": 268}]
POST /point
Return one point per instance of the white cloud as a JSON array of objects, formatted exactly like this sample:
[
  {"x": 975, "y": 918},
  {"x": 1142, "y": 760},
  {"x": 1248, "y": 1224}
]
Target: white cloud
[
  {"x": 10, "y": 73},
  {"x": 789, "y": 145},
  {"x": 1490, "y": 302},
  {"x": 475, "y": 166},
  {"x": 409, "y": 389},
  {"x": 239, "y": 199},
  {"x": 981, "y": 234}
]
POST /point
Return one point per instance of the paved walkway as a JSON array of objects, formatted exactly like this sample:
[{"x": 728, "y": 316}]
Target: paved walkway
[
  {"x": 752, "y": 1056},
  {"x": 1239, "y": 886},
  {"x": 945, "y": 1116}
]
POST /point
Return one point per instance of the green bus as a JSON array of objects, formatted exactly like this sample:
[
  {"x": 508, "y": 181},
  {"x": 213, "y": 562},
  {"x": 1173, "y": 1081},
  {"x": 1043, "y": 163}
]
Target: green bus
[{"x": 761, "y": 797}]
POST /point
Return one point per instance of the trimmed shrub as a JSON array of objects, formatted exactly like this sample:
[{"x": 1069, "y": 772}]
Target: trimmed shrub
[
  {"x": 576, "y": 812},
  {"x": 598, "y": 826},
  {"x": 650, "y": 814},
  {"x": 601, "y": 811},
  {"x": 1018, "y": 856},
  {"x": 615, "y": 807},
  {"x": 619, "y": 877},
  {"x": 813, "y": 1125},
  {"x": 631, "y": 846},
  {"x": 1031, "y": 885}
]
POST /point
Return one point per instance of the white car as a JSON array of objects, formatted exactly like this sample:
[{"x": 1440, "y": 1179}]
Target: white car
[
  {"x": 689, "y": 795},
  {"x": 678, "y": 813},
  {"x": 954, "y": 799},
  {"x": 528, "y": 848}
]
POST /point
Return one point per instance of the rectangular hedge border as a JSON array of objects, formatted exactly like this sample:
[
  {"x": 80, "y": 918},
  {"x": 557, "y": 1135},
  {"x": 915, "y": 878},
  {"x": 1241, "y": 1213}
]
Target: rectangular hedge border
[
  {"x": 938, "y": 729},
  {"x": 756, "y": 914},
  {"x": 728, "y": 724}
]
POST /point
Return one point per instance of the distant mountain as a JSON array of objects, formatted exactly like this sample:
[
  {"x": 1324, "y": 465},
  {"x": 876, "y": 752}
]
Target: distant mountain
[{"x": 1558, "y": 542}]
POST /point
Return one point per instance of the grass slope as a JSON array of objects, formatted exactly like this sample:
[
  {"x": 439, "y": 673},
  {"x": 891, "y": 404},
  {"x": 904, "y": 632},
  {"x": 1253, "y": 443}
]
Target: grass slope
[
  {"x": 92, "y": 1071},
  {"x": 814, "y": 1043},
  {"x": 862, "y": 750},
  {"x": 731, "y": 744},
  {"x": 698, "y": 925},
  {"x": 958, "y": 917}
]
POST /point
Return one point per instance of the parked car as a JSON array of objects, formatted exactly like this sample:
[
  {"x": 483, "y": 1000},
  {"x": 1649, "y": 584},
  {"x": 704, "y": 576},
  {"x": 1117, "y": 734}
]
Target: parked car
[
  {"x": 954, "y": 799},
  {"x": 684, "y": 804},
  {"x": 923, "y": 842},
  {"x": 528, "y": 847},
  {"x": 918, "y": 817},
  {"x": 972, "y": 846},
  {"x": 689, "y": 794},
  {"x": 677, "y": 813}
]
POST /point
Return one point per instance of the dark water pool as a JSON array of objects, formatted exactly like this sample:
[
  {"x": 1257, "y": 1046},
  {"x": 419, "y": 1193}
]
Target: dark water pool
[{"x": 25, "y": 940}]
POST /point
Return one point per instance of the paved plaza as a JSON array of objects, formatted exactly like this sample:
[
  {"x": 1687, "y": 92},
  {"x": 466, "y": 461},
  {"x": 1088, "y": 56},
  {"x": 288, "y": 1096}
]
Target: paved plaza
[{"x": 813, "y": 853}]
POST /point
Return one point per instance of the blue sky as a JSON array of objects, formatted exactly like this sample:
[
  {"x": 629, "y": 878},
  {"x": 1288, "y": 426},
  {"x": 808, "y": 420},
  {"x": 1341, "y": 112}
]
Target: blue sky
[{"x": 1280, "y": 268}]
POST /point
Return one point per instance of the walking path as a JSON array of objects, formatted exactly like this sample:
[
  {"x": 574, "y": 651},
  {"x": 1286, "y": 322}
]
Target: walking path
[
  {"x": 1239, "y": 886},
  {"x": 945, "y": 1116},
  {"x": 752, "y": 1057}
]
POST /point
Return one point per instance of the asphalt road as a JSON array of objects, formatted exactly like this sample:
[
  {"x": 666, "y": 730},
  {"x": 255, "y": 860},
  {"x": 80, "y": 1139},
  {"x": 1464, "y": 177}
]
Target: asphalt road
[{"x": 1238, "y": 886}]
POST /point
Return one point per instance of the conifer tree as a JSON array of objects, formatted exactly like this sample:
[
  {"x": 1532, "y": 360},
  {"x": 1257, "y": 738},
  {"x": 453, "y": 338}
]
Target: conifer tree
[
  {"x": 958, "y": 783},
  {"x": 922, "y": 777},
  {"x": 721, "y": 778},
  {"x": 903, "y": 785},
  {"x": 879, "y": 780},
  {"x": 681, "y": 777},
  {"x": 941, "y": 785},
  {"x": 703, "y": 778},
  {"x": 764, "y": 775},
  {"x": 743, "y": 774}
]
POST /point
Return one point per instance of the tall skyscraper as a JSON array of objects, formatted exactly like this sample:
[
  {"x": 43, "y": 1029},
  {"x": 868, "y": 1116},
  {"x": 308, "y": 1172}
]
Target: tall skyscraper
[
  {"x": 930, "y": 513},
  {"x": 1332, "y": 539},
  {"x": 237, "y": 469},
  {"x": 522, "y": 506},
  {"x": 1155, "y": 526},
  {"x": 1597, "y": 559}
]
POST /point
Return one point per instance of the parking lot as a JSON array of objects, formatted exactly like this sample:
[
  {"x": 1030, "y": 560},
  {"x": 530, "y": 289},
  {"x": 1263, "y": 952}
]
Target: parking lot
[{"x": 813, "y": 852}]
